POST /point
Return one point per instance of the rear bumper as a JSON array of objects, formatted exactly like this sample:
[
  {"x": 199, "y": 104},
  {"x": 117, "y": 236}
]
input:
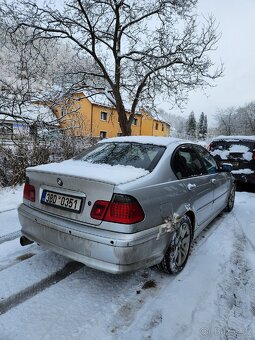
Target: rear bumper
[{"x": 97, "y": 248}]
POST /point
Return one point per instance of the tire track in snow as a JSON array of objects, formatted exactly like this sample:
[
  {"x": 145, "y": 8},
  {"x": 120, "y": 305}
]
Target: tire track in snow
[
  {"x": 3, "y": 211},
  {"x": 134, "y": 309},
  {"x": 22, "y": 257},
  {"x": 10, "y": 237},
  {"x": 236, "y": 293},
  {"x": 207, "y": 232},
  {"x": 35, "y": 289}
]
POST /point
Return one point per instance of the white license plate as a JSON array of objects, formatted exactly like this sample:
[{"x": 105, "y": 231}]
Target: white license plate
[{"x": 67, "y": 202}]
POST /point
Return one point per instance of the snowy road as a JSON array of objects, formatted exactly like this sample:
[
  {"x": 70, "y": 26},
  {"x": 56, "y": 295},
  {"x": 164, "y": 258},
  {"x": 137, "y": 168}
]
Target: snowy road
[{"x": 46, "y": 296}]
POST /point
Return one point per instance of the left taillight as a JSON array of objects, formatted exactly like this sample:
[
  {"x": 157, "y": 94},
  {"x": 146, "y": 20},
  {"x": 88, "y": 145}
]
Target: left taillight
[
  {"x": 122, "y": 209},
  {"x": 29, "y": 192}
]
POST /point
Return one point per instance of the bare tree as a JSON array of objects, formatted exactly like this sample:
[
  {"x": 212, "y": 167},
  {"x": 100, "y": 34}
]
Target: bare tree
[
  {"x": 226, "y": 121},
  {"x": 239, "y": 121},
  {"x": 246, "y": 116},
  {"x": 140, "y": 48},
  {"x": 32, "y": 70},
  {"x": 177, "y": 123}
]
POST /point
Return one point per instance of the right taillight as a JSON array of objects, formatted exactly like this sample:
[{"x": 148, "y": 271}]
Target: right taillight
[
  {"x": 122, "y": 209},
  {"x": 29, "y": 192},
  {"x": 209, "y": 147}
]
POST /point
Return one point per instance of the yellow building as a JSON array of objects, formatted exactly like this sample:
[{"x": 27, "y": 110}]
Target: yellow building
[{"x": 92, "y": 114}]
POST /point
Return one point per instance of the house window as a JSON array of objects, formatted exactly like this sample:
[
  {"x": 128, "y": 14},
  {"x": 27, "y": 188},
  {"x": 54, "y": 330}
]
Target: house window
[
  {"x": 103, "y": 134},
  {"x": 103, "y": 115},
  {"x": 135, "y": 121},
  {"x": 163, "y": 128},
  {"x": 156, "y": 127}
]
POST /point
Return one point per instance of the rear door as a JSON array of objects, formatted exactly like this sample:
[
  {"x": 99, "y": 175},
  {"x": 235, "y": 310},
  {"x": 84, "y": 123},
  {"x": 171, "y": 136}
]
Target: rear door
[{"x": 190, "y": 170}]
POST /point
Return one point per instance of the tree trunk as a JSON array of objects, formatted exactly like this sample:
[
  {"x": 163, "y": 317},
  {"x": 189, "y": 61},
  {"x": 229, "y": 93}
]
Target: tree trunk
[{"x": 123, "y": 122}]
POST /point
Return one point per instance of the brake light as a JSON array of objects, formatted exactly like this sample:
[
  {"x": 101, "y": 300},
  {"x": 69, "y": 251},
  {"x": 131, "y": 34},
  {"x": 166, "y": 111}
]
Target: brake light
[
  {"x": 209, "y": 147},
  {"x": 253, "y": 155},
  {"x": 122, "y": 209},
  {"x": 29, "y": 192}
]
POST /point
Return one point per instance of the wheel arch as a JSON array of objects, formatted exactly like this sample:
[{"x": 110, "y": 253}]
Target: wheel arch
[{"x": 192, "y": 218}]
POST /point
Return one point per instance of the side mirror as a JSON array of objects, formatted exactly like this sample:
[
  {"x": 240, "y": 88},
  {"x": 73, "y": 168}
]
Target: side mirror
[{"x": 226, "y": 167}]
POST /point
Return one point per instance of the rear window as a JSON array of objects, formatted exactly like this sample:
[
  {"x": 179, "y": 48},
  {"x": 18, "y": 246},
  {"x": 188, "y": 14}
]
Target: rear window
[
  {"x": 224, "y": 149},
  {"x": 145, "y": 156}
]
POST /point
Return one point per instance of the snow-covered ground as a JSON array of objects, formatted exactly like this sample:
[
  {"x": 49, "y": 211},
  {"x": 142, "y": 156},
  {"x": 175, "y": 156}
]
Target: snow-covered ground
[{"x": 45, "y": 296}]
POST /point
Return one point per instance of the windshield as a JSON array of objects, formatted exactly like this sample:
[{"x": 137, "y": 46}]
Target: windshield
[{"x": 145, "y": 156}]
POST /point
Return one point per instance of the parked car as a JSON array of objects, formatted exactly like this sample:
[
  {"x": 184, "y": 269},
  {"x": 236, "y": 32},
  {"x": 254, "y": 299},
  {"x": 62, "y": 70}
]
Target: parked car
[
  {"x": 127, "y": 203},
  {"x": 239, "y": 151}
]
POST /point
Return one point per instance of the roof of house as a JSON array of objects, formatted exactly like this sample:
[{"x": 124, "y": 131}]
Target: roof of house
[
  {"x": 104, "y": 98},
  {"x": 30, "y": 113},
  {"x": 99, "y": 98},
  {"x": 155, "y": 115}
]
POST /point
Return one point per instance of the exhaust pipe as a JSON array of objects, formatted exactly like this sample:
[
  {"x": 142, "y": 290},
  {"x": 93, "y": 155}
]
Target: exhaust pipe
[{"x": 24, "y": 241}]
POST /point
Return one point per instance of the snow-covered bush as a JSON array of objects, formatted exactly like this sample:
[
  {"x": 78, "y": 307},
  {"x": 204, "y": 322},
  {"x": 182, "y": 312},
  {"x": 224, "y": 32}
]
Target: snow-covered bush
[{"x": 15, "y": 157}]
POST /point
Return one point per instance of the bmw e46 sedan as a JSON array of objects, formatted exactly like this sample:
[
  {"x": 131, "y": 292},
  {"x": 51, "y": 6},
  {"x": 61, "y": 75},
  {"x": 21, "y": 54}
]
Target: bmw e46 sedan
[{"x": 126, "y": 203}]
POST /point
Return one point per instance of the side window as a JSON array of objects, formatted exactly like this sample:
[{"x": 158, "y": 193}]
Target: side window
[
  {"x": 209, "y": 162},
  {"x": 186, "y": 163}
]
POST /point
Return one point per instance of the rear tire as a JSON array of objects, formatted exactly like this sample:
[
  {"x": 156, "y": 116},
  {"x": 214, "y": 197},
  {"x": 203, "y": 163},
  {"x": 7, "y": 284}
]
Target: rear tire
[
  {"x": 231, "y": 199},
  {"x": 178, "y": 250}
]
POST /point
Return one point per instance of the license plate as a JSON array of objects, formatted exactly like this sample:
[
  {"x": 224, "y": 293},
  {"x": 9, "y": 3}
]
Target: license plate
[
  {"x": 62, "y": 201},
  {"x": 235, "y": 164}
]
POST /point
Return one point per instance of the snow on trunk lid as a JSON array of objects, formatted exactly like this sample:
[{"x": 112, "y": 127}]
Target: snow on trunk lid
[
  {"x": 70, "y": 188},
  {"x": 112, "y": 174}
]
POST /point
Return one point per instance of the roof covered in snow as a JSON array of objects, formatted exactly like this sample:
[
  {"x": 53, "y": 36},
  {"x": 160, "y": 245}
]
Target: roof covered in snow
[
  {"x": 99, "y": 98},
  {"x": 105, "y": 98},
  {"x": 155, "y": 115},
  {"x": 30, "y": 113},
  {"x": 164, "y": 141},
  {"x": 235, "y": 138}
]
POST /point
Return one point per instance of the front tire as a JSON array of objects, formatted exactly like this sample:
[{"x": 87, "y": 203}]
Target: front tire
[{"x": 178, "y": 250}]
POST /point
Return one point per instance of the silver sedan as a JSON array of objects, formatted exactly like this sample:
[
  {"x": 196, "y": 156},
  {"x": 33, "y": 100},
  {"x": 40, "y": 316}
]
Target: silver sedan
[{"x": 127, "y": 203}]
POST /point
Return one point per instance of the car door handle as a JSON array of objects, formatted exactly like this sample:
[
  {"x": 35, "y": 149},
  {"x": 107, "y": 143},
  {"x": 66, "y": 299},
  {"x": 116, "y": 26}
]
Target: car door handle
[
  {"x": 213, "y": 181},
  {"x": 191, "y": 186}
]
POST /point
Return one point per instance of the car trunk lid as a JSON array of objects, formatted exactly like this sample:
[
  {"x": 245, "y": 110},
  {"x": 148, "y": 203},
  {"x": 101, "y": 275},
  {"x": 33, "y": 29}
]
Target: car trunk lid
[{"x": 70, "y": 189}]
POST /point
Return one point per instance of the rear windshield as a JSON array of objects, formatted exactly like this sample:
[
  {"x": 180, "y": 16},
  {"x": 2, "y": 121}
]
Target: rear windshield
[
  {"x": 234, "y": 146},
  {"x": 145, "y": 156},
  {"x": 230, "y": 149}
]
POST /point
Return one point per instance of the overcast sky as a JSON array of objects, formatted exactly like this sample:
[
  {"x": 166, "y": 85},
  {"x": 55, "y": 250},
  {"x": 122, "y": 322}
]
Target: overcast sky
[{"x": 236, "y": 49}]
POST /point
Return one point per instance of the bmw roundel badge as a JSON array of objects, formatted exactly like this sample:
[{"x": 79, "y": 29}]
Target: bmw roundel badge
[{"x": 60, "y": 182}]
